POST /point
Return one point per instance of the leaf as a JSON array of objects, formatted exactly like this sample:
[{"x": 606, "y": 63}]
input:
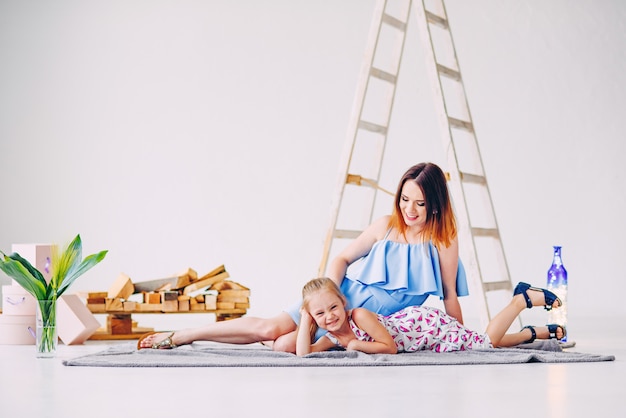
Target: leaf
[
  {"x": 25, "y": 274},
  {"x": 63, "y": 264},
  {"x": 85, "y": 265}
]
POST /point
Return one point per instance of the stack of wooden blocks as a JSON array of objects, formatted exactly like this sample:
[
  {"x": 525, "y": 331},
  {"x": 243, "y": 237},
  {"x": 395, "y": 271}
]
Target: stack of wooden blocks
[{"x": 182, "y": 293}]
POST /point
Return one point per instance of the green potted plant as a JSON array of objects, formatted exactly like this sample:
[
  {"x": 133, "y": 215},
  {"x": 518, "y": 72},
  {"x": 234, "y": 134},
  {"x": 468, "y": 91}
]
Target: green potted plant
[{"x": 66, "y": 266}]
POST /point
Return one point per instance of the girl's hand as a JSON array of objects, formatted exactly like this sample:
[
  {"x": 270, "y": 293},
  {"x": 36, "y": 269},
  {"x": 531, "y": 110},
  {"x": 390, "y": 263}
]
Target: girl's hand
[
  {"x": 353, "y": 345},
  {"x": 305, "y": 317}
]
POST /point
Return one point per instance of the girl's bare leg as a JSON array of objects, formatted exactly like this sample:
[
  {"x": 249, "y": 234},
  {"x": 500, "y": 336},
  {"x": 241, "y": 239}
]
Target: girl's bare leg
[
  {"x": 499, "y": 325},
  {"x": 244, "y": 330}
]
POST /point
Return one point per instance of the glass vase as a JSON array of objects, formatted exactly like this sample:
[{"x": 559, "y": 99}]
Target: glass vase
[{"x": 46, "y": 338}]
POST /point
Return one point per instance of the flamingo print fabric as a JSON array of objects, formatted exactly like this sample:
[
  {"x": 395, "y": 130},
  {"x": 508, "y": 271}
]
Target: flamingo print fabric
[{"x": 418, "y": 328}]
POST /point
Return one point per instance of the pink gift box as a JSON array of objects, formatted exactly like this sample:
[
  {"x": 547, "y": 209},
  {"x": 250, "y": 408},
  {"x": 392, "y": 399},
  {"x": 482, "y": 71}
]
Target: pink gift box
[
  {"x": 39, "y": 255},
  {"x": 17, "y": 301},
  {"x": 75, "y": 322},
  {"x": 17, "y": 329}
]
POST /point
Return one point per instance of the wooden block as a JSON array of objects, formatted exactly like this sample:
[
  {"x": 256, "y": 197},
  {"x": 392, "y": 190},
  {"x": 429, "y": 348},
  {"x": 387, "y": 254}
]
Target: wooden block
[
  {"x": 152, "y": 297},
  {"x": 205, "y": 281},
  {"x": 122, "y": 287},
  {"x": 149, "y": 307},
  {"x": 210, "y": 302},
  {"x": 114, "y": 305},
  {"x": 119, "y": 324},
  {"x": 231, "y": 298},
  {"x": 242, "y": 305},
  {"x": 169, "y": 283},
  {"x": 97, "y": 295},
  {"x": 155, "y": 285},
  {"x": 190, "y": 274},
  {"x": 97, "y": 301},
  {"x": 170, "y": 306},
  {"x": 234, "y": 292},
  {"x": 183, "y": 305},
  {"x": 228, "y": 285},
  {"x": 217, "y": 270},
  {"x": 169, "y": 295},
  {"x": 96, "y": 307},
  {"x": 225, "y": 305},
  {"x": 195, "y": 306},
  {"x": 129, "y": 306}
]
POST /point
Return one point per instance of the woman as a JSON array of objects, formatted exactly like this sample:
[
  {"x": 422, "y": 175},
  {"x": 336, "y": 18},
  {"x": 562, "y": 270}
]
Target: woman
[{"x": 403, "y": 258}]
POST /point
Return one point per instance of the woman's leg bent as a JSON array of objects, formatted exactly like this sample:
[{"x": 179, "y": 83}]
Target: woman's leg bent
[{"x": 502, "y": 321}]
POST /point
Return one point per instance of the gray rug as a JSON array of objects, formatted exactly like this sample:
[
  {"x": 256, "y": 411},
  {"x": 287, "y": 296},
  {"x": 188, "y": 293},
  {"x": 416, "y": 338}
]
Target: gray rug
[{"x": 203, "y": 354}]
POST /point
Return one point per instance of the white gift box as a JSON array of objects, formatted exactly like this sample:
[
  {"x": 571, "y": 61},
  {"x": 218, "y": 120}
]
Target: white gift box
[
  {"x": 17, "y": 301},
  {"x": 75, "y": 322},
  {"x": 39, "y": 255},
  {"x": 17, "y": 329}
]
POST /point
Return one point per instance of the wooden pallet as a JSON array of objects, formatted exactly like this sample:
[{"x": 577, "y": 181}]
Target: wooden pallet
[{"x": 120, "y": 326}]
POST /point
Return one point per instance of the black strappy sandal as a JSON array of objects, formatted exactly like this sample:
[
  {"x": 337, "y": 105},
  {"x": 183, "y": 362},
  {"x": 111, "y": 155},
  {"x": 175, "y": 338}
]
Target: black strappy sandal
[
  {"x": 552, "y": 328},
  {"x": 533, "y": 334},
  {"x": 549, "y": 297}
]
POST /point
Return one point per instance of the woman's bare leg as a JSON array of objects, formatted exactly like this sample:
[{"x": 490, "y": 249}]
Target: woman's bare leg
[
  {"x": 286, "y": 342},
  {"x": 543, "y": 333},
  {"x": 244, "y": 330},
  {"x": 499, "y": 325}
]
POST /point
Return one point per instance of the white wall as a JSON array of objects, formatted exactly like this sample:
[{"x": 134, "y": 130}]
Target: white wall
[{"x": 183, "y": 134}]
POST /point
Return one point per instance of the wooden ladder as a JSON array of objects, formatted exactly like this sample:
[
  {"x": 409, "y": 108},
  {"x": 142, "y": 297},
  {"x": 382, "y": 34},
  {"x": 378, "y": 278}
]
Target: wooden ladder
[{"x": 480, "y": 245}]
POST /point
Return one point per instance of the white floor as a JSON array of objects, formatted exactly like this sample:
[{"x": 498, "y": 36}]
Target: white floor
[{"x": 32, "y": 387}]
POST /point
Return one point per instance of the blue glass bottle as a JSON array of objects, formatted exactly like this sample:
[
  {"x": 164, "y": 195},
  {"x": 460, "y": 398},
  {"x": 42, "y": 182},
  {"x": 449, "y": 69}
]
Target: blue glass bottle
[{"x": 557, "y": 283}]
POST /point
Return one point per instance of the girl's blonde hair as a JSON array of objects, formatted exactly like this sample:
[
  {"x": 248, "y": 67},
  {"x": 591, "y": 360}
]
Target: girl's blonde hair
[
  {"x": 440, "y": 225},
  {"x": 317, "y": 285}
]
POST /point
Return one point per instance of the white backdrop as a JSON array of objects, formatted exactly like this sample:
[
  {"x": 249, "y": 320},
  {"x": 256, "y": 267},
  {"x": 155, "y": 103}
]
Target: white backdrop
[{"x": 183, "y": 134}]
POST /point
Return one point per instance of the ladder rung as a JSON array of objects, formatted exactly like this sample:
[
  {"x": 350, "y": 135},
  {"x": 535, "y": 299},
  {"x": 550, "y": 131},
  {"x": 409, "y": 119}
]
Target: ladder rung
[
  {"x": 485, "y": 232},
  {"x": 493, "y": 286},
  {"x": 359, "y": 180},
  {"x": 383, "y": 75},
  {"x": 449, "y": 72},
  {"x": 373, "y": 127},
  {"x": 461, "y": 124},
  {"x": 345, "y": 233},
  {"x": 436, "y": 20},
  {"x": 392, "y": 21},
  {"x": 473, "y": 178}
]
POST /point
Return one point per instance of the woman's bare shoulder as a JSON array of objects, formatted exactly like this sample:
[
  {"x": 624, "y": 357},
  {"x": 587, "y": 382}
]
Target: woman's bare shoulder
[{"x": 380, "y": 226}]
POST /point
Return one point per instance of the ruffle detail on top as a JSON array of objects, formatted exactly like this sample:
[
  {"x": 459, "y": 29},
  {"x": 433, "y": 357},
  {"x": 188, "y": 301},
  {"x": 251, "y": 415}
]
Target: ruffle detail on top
[{"x": 404, "y": 269}]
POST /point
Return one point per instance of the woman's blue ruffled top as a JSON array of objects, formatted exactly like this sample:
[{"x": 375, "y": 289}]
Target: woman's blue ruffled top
[{"x": 395, "y": 275}]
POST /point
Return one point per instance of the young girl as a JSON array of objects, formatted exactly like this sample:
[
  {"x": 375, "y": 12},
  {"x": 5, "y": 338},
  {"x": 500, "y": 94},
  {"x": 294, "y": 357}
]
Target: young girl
[{"x": 413, "y": 328}]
